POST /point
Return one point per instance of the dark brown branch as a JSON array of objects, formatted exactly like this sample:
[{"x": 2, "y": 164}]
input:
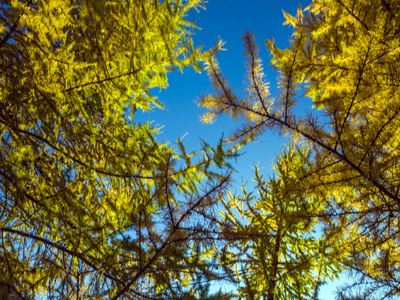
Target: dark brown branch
[
  {"x": 169, "y": 238},
  {"x": 61, "y": 248}
]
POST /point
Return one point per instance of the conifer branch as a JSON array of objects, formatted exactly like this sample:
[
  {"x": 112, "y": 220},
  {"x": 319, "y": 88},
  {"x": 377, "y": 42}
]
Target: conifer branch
[
  {"x": 80, "y": 256},
  {"x": 169, "y": 239}
]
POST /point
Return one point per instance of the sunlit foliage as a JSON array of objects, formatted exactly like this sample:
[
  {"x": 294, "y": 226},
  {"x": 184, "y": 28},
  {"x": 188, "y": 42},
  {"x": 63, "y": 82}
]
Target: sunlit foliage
[
  {"x": 276, "y": 252},
  {"x": 344, "y": 55},
  {"x": 92, "y": 205}
]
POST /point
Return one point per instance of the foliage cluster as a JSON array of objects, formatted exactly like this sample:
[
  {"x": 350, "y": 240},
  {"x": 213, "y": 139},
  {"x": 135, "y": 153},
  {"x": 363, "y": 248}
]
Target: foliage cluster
[
  {"x": 92, "y": 205},
  {"x": 344, "y": 55}
]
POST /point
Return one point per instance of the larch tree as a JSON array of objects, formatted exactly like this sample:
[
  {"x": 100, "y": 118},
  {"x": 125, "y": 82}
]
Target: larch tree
[
  {"x": 344, "y": 55},
  {"x": 92, "y": 205},
  {"x": 274, "y": 246}
]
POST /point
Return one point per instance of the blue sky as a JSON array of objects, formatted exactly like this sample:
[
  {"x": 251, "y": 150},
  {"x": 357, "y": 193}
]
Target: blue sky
[{"x": 228, "y": 20}]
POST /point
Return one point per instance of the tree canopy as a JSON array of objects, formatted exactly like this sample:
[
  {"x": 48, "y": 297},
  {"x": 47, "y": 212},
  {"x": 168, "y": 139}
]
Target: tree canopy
[
  {"x": 92, "y": 205},
  {"x": 344, "y": 56}
]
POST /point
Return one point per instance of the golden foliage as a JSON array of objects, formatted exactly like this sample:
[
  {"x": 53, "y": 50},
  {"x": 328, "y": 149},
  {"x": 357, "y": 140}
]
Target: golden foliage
[
  {"x": 92, "y": 204},
  {"x": 344, "y": 55}
]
